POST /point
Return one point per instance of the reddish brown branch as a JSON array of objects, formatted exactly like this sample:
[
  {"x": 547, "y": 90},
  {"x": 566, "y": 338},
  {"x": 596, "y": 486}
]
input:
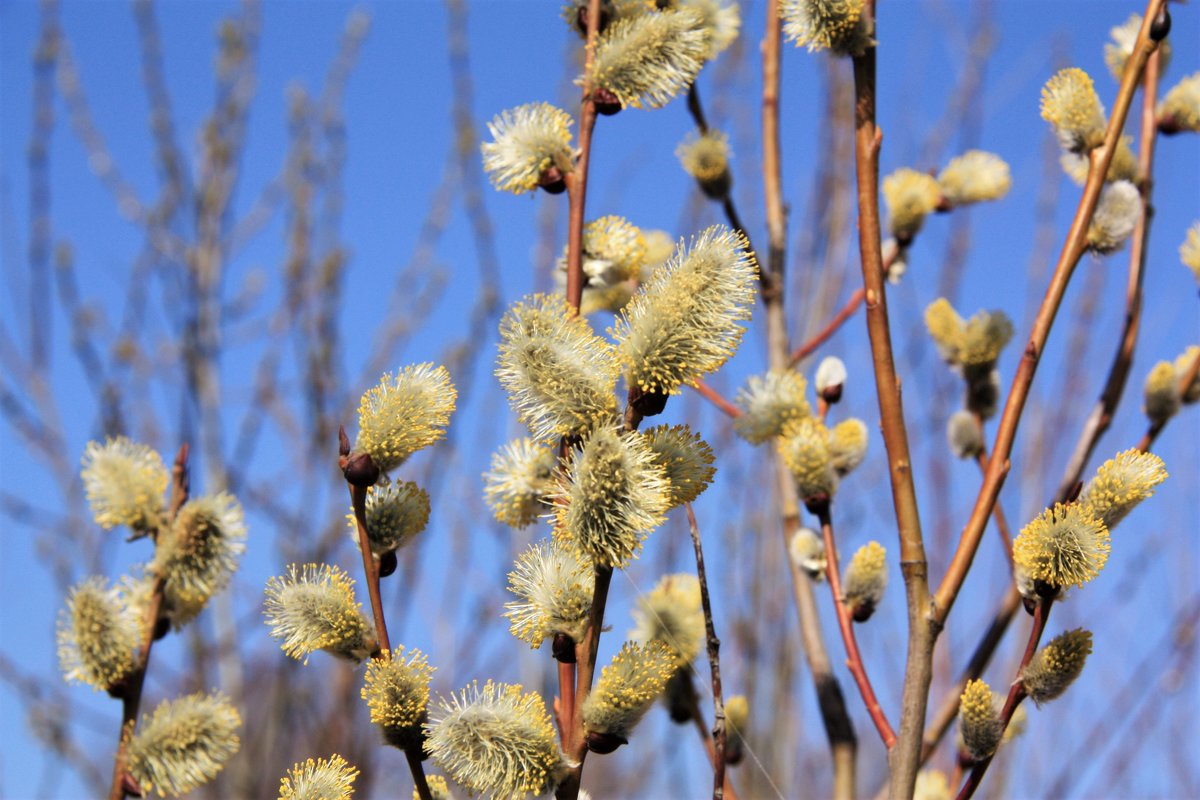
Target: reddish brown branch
[
  {"x": 1041, "y": 614},
  {"x": 714, "y": 397},
  {"x": 854, "y": 660}
]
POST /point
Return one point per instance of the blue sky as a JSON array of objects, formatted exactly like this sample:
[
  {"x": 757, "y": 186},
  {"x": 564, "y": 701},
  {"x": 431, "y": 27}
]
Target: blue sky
[{"x": 397, "y": 111}]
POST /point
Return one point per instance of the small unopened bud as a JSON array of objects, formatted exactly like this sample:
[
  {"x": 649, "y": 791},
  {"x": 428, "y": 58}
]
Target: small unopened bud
[
  {"x": 607, "y": 104},
  {"x": 359, "y": 470},
  {"x": 563, "y": 648},
  {"x": 680, "y": 697},
  {"x": 808, "y": 553},
  {"x": 161, "y": 627},
  {"x": 964, "y": 435},
  {"x": 648, "y": 404},
  {"x": 388, "y": 563},
  {"x": 830, "y": 378},
  {"x": 737, "y": 720},
  {"x": 604, "y": 743},
  {"x": 581, "y": 19},
  {"x": 130, "y": 786},
  {"x": 343, "y": 442},
  {"x": 1161, "y": 26},
  {"x": 552, "y": 180}
]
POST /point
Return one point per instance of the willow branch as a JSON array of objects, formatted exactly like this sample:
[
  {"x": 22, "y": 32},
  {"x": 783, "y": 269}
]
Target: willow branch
[
  {"x": 714, "y": 664},
  {"x": 1118, "y": 373},
  {"x": 1187, "y": 379},
  {"x": 130, "y": 691},
  {"x": 713, "y": 396},
  {"x": 854, "y": 660},
  {"x": 577, "y": 178},
  {"x": 1072, "y": 251},
  {"x": 921, "y": 635},
  {"x": 843, "y": 744},
  {"x": 844, "y": 313}
]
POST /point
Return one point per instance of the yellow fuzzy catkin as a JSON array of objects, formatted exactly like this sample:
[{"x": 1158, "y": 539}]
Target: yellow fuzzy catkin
[
  {"x": 910, "y": 196},
  {"x": 319, "y": 779},
  {"x": 649, "y": 59},
  {"x": 1056, "y": 666},
  {"x": 686, "y": 461},
  {"x": 184, "y": 743},
  {"x": 1183, "y": 364},
  {"x": 394, "y": 515},
  {"x": 804, "y": 446},
  {"x": 124, "y": 482},
  {"x": 520, "y": 482},
  {"x": 865, "y": 580},
  {"x": 198, "y": 554},
  {"x": 721, "y": 20},
  {"x": 616, "y": 495},
  {"x": 974, "y": 177},
  {"x": 769, "y": 402},
  {"x": 1124, "y": 37},
  {"x": 686, "y": 320},
  {"x": 1180, "y": 109},
  {"x": 313, "y": 608},
  {"x": 706, "y": 157},
  {"x": 979, "y": 724},
  {"x": 553, "y": 585},
  {"x": 97, "y": 634},
  {"x": 396, "y": 688},
  {"x": 1120, "y": 484},
  {"x": 496, "y": 740},
  {"x": 1064, "y": 546},
  {"x": 627, "y": 688},
  {"x": 560, "y": 377},
  {"x": 671, "y": 613},
  {"x": 839, "y": 26},
  {"x": 404, "y": 413},
  {"x": 847, "y": 445},
  {"x": 526, "y": 142},
  {"x": 1161, "y": 393},
  {"x": 1189, "y": 251},
  {"x": 1070, "y": 105}
]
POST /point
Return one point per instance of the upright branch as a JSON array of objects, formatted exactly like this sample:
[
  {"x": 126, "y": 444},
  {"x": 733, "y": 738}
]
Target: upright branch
[
  {"x": 130, "y": 690},
  {"x": 921, "y": 636},
  {"x": 843, "y": 744},
  {"x": 1118, "y": 373},
  {"x": 371, "y": 570},
  {"x": 1072, "y": 251},
  {"x": 714, "y": 662},
  {"x": 577, "y": 179}
]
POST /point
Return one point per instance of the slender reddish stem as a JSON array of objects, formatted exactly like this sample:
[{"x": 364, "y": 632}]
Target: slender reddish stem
[
  {"x": 714, "y": 397},
  {"x": 853, "y": 657}
]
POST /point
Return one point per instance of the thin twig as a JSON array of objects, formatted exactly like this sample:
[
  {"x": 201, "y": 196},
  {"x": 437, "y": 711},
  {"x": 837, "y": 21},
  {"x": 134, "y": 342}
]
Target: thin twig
[
  {"x": 577, "y": 178},
  {"x": 921, "y": 635},
  {"x": 714, "y": 663},
  {"x": 854, "y": 660},
  {"x": 714, "y": 397}
]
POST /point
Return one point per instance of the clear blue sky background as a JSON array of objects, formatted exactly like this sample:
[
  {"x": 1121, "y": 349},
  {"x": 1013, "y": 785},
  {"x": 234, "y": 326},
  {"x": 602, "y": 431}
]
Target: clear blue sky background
[{"x": 398, "y": 122}]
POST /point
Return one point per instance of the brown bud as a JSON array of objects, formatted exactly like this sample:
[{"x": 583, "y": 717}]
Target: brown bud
[
  {"x": 343, "y": 442},
  {"x": 581, "y": 18},
  {"x": 734, "y": 750},
  {"x": 388, "y": 563},
  {"x": 130, "y": 786},
  {"x": 606, "y": 102},
  {"x": 862, "y": 610},
  {"x": 604, "y": 743},
  {"x": 680, "y": 697},
  {"x": 552, "y": 180},
  {"x": 161, "y": 628},
  {"x": 359, "y": 470},
  {"x": 818, "y": 504},
  {"x": 1161, "y": 25},
  {"x": 563, "y": 648},
  {"x": 648, "y": 404},
  {"x": 832, "y": 394}
]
